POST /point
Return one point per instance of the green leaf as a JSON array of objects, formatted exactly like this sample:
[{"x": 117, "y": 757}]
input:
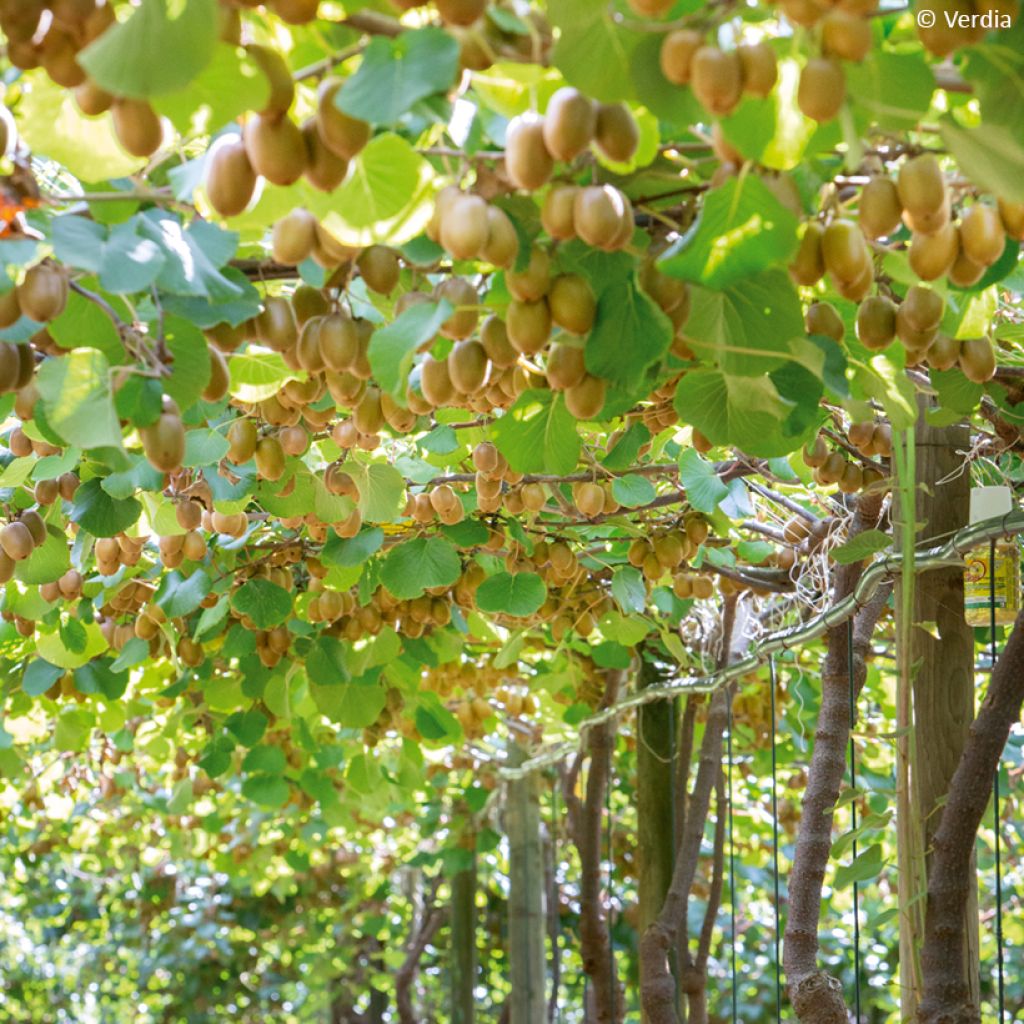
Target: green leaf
[
  {"x": 181, "y": 797},
  {"x": 995, "y": 68},
  {"x": 397, "y": 73},
  {"x": 747, "y": 412},
  {"x": 258, "y": 375},
  {"x": 893, "y": 90},
  {"x": 627, "y": 448},
  {"x": 633, "y": 490},
  {"x": 266, "y": 603},
  {"x": 75, "y": 392},
  {"x": 265, "y": 758},
  {"x": 98, "y": 513},
  {"x": 352, "y": 551},
  {"x": 629, "y": 590},
  {"x": 326, "y": 663},
  {"x": 160, "y": 47},
  {"x": 414, "y": 566},
  {"x": 180, "y": 596},
  {"x": 742, "y": 229},
  {"x": 956, "y": 393},
  {"x": 867, "y": 866},
  {"x": 434, "y": 722},
  {"x": 381, "y": 490},
  {"x": 704, "y": 490},
  {"x": 78, "y": 242},
  {"x": 593, "y": 52},
  {"x": 211, "y": 618},
  {"x": 84, "y": 322},
  {"x": 354, "y": 705},
  {"x": 266, "y": 790},
  {"x": 392, "y": 347},
  {"x": 48, "y": 562},
  {"x": 128, "y": 262},
  {"x": 52, "y": 647},
  {"x": 248, "y": 726},
  {"x": 204, "y": 447},
  {"x": 746, "y": 328},
  {"x": 519, "y": 594},
  {"x": 190, "y": 372},
  {"x": 989, "y": 155},
  {"x": 17, "y": 471},
  {"x": 39, "y": 677},
  {"x": 889, "y": 384},
  {"x": 864, "y": 545},
  {"x": 538, "y": 434}
]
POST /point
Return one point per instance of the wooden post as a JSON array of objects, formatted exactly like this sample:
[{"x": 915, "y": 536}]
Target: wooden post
[
  {"x": 654, "y": 799},
  {"x": 463, "y": 940},
  {"x": 526, "y": 918},
  {"x": 942, "y": 689}
]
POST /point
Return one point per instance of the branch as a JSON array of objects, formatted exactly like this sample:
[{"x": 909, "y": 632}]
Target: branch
[
  {"x": 946, "y": 996},
  {"x": 429, "y": 925}
]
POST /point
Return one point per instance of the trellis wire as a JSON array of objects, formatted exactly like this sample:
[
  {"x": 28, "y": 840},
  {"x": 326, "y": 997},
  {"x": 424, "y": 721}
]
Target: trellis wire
[
  {"x": 775, "y": 846},
  {"x": 995, "y": 792},
  {"x": 732, "y": 867},
  {"x": 944, "y": 556},
  {"x": 556, "y": 952},
  {"x": 853, "y": 821},
  {"x": 612, "y": 988}
]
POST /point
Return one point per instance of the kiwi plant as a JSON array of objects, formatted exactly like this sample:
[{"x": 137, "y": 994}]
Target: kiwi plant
[{"x": 449, "y": 347}]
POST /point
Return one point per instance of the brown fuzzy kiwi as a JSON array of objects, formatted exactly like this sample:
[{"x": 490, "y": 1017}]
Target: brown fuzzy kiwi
[
  {"x": 556, "y": 215},
  {"x": 92, "y": 100},
  {"x": 760, "y": 68},
  {"x": 677, "y": 52},
  {"x": 876, "y": 322},
  {"x": 821, "y": 90},
  {"x": 230, "y": 178},
  {"x": 460, "y": 12},
  {"x": 845, "y": 35},
  {"x": 808, "y": 266},
  {"x": 844, "y": 251},
  {"x": 1012, "y": 215},
  {"x": 467, "y": 366},
  {"x": 931, "y": 256},
  {"x": 43, "y": 293},
  {"x": 978, "y": 360},
  {"x": 16, "y": 541},
  {"x": 651, "y": 8},
  {"x": 270, "y": 458},
  {"x": 616, "y": 134},
  {"x": 598, "y": 213},
  {"x": 275, "y": 326},
  {"x": 716, "y": 78},
  {"x": 569, "y": 123},
  {"x": 296, "y": 12},
  {"x": 10, "y": 308},
  {"x": 342, "y": 134},
  {"x": 494, "y": 338},
  {"x": 572, "y": 303},
  {"x": 502, "y": 245},
  {"x": 435, "y": 381},
  {"x": 922, "y": 187},
  {"x": 464, "y": 226},
  {"x": 880, "y": 210},
  {"x": 242, "y": 437},
  {"x": 943, "y": 353},
  {"x": 528, "y": 325},
  {"x": 220, "y": 377},
  {"x": 822, "y": 319},
  {"x": 293, "y": 237},
  {"x": 325, "y": 170},
  {"x": 137, "y": 127},
  {"x": 923, "y": 308},
  {"x": 164, "y": 441},
  {"x": 585, "y": 400},
  {"x": 565, "y": 366},
  {"x": 528, "y": 163},
  {"x": 914, "y": 339},
  {"x": 944, "y": 33},
  {"x": 379, "y": 268},
  {"x": 276, "y": 148},
  {"x": 464, "y": 300},
  {"x": 982, "y": 237},
  {"x": 279, "y": 78},
  {"x": 965, "y": 272}
]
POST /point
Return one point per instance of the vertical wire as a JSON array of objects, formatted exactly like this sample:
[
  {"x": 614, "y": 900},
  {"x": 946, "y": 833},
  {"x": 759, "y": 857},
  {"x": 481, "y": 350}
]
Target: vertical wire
[
  {"x": 775, "y": 845},
  {"x": 853, "y": 808},
  {"x": 732, "y": 864},
  {"x": 996, "y": 819},
  {"x": 612, "y": 987},
  {"x": 557, "y": 951}
]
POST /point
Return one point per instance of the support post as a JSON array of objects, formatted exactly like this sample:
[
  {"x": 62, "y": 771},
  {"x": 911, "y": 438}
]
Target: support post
[
  {"x": 463, "y": 938},
  {"x": 941, "y": 661}
]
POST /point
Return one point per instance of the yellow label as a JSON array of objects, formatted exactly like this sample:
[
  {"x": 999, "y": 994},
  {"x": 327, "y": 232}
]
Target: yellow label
[{"x": 978, "y": 583}]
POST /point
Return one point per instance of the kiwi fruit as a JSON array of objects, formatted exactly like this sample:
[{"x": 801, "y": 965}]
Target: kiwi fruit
[
  {"x": 137, "y": 127},
  {"x": 379, "y": 268},
  {"x": 534, "y": 281},
  {"x": 435, "y": 381},
  {"x": 296, "y": 12},
  {"x": 716, "y": 78},
  {"x": 528, "y": 325},
  {"x": 325, "y": 170},
  {"x": 598, "y": 215},
  {"x": 845, "y": 35},
  {"x": 822, "y": 319},
  {"x": 801, "y": 12},
  {"x": 92, "y": 100},
  {"x": 844, "y": 251},
  {"x": 572, "y": 303},
  {"x": 943, "y": 353},
  {"x": 307, "y": 349},
  {"x": 10, "y": 366},
  {"x": 43, "y": 293},
  {"x": 821, "y": 90},
  {"x": 585, "y": 400},
  {"x": 35, "y": 525},
  {"x": 1012, "y": 216},
  {"x": 164, "y": 441},
  {"x": 944, "y": 34},
  {"x": 269, "y": 457},
  {"x": 528, "y": 163},
  {"x": 460, "y": 12},
  {"x": 502, "y": 245},
  {"x": 556, "y": 215},
  {"x": 914, "y": 339},
  {"x": 565, "y": 366},
  {"x": 26, "y": 369},
  {"x": 343, "y": 135},
  {"x": 275, "y": 326},
  {"x": 464, "y": 300},
  {"x": 931, "y": 256},
  {"x": 760, "y": 68},
  {"x": 494, "y": 338},
  {"x": 276, "y": 148},
  {"x": 922, "y": 189},
  {"x": 220, "y": 377},
  {"x": 16, "y": 541},
  {"x": 859, "y": 287},
  {"x": 977, "y": 360},
  {"x": 922, "y": 307},
  {"x": 616, "y": 133},
  {"x": 965, "y": 272},
  {"x": 982, "y": 238},
  {"x": 677, "y": 52},
  {"x": 880, "y": 210},
  {"x": 230, "y": 179},
  {"x": 58, "y": 54},
  {"x": 279, "y": 79},
  {"x": 467, "y": 366},
  {"x": 651, "y": 8},
  {"x": 876, "y": 322},
  {"x": 293, "y": 237},
  {"x": 808, "y": 266},
  {"x": 569, "y": 123},
  {"x": 464, "y": 226}
]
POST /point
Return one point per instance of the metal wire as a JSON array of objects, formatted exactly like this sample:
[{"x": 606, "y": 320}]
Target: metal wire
[
  {"x": 612, "y": 986},
  {"x": 853, "y": 809},
  {"x": 732, "y": 868},
  {"x": 775, "y": 845},
  {"x": 947, "y": 555},
  {"x": 996, "y": 822}
]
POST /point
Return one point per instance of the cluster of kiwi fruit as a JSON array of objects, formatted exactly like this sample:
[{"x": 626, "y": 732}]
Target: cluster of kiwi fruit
[
  {"x": 18, "y": 539},
  {"x": 956, "y": 23},
  {"x": 272, "y": 146},
  {"x": 718, "y": 78},
  {"x": 834, "y": 468},
  {"x": 70, "y": 26}
]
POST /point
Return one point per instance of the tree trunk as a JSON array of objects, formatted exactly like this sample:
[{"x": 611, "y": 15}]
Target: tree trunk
[
  {"x": 654, "y": 799},
  {"x": 463, "y": 942},
  {"x": 526, "y": 918},
  {"x": 816, "y": 996},
  {"x": 942, "y": 656},
  {"x": 947, "y": 996}
]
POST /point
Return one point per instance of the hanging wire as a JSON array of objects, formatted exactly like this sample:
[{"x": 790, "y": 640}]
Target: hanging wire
[
  {"x": 775, "y": 845},
  {"x": 611, "y": 881},
  {"x": 732, "y": 865},
  {"x": 996, "y": 820},
  {"x": 556, "y": 938},
  {"x": 853, "y": 808}
]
